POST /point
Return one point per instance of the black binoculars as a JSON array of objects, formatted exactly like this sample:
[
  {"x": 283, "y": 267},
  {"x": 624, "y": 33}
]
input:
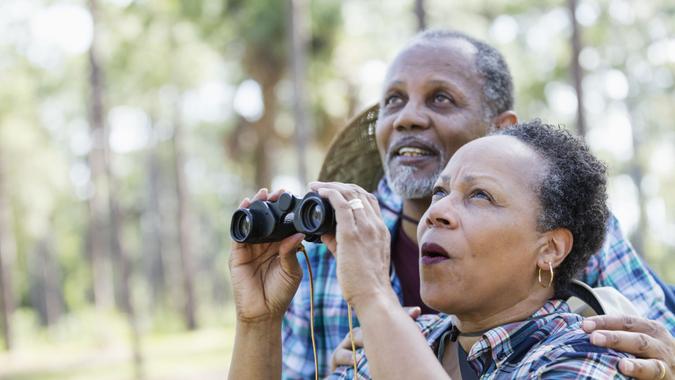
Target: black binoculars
[{"x": 265, "y": 221}]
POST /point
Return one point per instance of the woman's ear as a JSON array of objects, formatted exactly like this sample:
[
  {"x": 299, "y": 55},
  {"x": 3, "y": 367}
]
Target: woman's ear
[
  {"x": 505, "y": 119},
  {"x": 557, "y": 245}
]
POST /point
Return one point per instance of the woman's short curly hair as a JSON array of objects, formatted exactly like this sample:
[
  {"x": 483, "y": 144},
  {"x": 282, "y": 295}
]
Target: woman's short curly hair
[{"x": 572, "y": 193}]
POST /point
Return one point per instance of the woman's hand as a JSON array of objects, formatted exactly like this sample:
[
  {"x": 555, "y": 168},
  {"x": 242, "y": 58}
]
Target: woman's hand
[
  {"x": 361, "y": 242},
  {"x": 264, "y": 276}
]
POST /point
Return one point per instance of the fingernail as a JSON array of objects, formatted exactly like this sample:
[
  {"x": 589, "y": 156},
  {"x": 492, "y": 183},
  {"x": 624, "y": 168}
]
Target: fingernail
[
  {"x": 598, "y": 339},
  {"x": 627, "y": 365},
  {"x": 588, "y": 325}
]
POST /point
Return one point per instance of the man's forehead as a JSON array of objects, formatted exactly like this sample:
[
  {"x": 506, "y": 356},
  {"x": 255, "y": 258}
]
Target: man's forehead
[
  {"x": 438, "y": 51},
  {"x": 457, "y": 46}
]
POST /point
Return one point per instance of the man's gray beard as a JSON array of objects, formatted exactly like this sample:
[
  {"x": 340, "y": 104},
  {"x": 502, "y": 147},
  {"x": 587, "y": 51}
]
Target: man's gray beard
[{"x": 404, "y": 182}]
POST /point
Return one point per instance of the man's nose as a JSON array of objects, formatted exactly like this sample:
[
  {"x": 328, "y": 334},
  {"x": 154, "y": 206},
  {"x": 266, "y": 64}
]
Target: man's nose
[{"x": 412, "y": 116}]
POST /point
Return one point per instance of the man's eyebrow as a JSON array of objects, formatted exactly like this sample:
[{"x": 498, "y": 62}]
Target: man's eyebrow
[
  {"x": 396, "y": 83},
  {"x": 441, "y": 82},
  {"x": 454, "y": 88}
]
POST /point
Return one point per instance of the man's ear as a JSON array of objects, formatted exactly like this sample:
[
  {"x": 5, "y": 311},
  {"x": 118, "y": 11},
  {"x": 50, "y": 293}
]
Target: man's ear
[
  {"x": 505, "y": 119},
  {"x": 555, "y": 248}
]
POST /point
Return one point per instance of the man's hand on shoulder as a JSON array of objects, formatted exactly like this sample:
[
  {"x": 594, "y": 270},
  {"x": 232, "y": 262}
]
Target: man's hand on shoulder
[{"x": 648, "y": 340}]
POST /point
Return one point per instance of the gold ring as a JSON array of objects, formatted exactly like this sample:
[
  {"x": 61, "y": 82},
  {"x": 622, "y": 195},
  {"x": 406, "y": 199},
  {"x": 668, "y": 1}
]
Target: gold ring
[
  {"x": 662, "y": 370},
  {"x": 355, "y": 204}
]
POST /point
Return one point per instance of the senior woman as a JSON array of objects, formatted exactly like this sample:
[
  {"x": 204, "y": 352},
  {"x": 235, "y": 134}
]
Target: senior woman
[{"x": 513, "y": 217}]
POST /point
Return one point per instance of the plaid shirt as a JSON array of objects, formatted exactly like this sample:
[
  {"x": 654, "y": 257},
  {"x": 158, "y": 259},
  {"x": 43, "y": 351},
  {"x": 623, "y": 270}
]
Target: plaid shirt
[
  {"x": 616, "y": 265},
  {"x": 549, "y": 345}
]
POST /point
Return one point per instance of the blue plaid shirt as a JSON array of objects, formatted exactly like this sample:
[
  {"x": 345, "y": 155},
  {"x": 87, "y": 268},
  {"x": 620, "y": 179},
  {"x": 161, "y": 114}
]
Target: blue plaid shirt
[
  {"x": 549, "y": 345},
  {"x": 616, "y": 265}
]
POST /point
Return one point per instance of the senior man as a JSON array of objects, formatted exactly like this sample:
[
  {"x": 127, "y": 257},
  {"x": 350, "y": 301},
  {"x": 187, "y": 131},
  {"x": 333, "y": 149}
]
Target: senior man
[{"x": 443, "y": 90}]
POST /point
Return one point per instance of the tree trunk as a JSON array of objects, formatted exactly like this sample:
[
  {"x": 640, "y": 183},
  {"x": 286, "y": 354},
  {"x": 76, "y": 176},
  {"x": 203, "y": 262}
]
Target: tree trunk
[
  {"x": 7, "y": 254},
  {"x": 636, "y": 173},
  {"x": 298, "y": 19},
  {"x": 119, "y": 255},
  {"x": 45, "y": 282},
  {"x": 153, "y": 230},
  {"x": 97, "y": 242},
  {"x": 577, "y": 73},
  {"x": 184, "y": 225},
  {"x": 421, "y": 14}
]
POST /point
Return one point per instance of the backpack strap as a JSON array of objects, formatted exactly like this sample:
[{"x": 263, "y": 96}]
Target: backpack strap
[{"x": 587, "y": 301}]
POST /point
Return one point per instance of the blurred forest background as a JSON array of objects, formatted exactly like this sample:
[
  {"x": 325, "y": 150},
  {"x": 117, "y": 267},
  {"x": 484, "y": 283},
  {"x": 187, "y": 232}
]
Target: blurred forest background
[{"x": 130, "y": 130}]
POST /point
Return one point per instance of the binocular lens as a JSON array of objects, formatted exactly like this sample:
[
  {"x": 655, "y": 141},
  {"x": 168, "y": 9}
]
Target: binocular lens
[
  {"x": 316, "y": 216},
  {"x": 241, "y": 226},
  {"x": 245, "y": 225}
]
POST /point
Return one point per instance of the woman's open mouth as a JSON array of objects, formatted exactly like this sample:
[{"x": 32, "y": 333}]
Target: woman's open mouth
[{"x": 433, "y": 253}]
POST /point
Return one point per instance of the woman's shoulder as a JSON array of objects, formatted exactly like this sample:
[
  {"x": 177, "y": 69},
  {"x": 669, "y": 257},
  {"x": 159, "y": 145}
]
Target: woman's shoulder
[
  {"x": 565, "y": 351},
  {"x": 433, "y": 326}
]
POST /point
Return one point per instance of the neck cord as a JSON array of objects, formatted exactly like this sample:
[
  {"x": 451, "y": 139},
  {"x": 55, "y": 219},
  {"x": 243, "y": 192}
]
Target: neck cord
[
  {"x": 400, "y": 213},
  {"x": 301, "y": 248}
]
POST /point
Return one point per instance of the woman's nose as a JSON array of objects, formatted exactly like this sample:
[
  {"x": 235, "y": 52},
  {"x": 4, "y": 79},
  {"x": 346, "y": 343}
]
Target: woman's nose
[
  {"x": 441, "y": 214},
  {"x": 412, "y": 116}
]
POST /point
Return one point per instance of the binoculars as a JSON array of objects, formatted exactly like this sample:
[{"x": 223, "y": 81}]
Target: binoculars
[{"x": 266, "y": 221}]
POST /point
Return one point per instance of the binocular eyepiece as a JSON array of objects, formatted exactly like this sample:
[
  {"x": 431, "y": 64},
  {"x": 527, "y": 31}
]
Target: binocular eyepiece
[{"x": 265, "y": 221}]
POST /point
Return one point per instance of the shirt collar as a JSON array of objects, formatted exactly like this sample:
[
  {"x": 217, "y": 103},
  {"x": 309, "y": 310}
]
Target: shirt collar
[
  {"x": 501, "y": 341},
  {"x": 387, "y": 197}
]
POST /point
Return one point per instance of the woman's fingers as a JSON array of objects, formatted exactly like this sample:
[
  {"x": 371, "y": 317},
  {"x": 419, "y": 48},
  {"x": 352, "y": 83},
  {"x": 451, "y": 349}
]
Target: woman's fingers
[
  {"x": 273, "y": 197},
  {"x": 245, "y": 203},
  {"x": 343, "y": 211},
  {"x": 369, "y": 210},
  {"x": 287, "y": 254}
]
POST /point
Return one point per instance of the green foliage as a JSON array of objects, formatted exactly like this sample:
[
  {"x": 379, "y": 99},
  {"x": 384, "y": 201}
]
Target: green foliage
[{"x": 181, "y": 62}]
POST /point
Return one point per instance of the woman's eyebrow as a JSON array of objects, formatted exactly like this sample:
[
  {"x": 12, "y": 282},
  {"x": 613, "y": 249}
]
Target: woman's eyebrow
[
  {"x": 470, "y": 179},
  {"x": 445, "y": 180}
]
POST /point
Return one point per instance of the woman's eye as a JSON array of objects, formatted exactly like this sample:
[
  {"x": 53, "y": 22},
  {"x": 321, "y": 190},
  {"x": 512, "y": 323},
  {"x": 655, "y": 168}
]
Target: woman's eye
[
  {"x": 438, "y": 193},
  {"x": 481, "y": 194}
]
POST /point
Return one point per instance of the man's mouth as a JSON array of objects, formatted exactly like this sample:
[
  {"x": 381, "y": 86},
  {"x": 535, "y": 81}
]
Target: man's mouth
[
  {"x": 433, "y": 253},
  {"x": 411, "y": 151}
]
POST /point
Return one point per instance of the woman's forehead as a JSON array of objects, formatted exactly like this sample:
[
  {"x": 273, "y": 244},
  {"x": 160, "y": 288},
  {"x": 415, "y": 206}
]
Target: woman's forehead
[{"x": 504, "y": 157}]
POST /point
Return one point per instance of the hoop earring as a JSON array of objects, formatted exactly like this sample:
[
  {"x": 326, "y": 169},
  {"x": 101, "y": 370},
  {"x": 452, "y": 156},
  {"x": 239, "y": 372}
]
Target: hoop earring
[{"x": 550, "y": 281}]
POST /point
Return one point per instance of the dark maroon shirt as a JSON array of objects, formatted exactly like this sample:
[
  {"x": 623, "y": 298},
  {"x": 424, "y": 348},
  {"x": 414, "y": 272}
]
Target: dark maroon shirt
[{"x": 405, "y": 257}]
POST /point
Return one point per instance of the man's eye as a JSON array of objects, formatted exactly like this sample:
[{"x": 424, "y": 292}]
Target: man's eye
[
  {"x": 442, "y": 98},
  {"x": 392, "y": 100}
]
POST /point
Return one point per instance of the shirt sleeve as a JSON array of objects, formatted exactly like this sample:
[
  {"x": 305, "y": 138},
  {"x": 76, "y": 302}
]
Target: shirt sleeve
[
  {"x": 618, "y": 265},
  {"x": 586, "y": 367}
]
